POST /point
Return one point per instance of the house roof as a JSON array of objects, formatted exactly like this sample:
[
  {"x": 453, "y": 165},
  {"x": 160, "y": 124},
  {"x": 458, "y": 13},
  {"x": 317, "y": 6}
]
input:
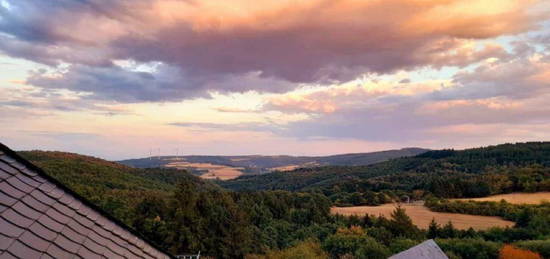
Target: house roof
[
  {"x": 426, "y": 250},
  {"x": 41, "y": 218}
]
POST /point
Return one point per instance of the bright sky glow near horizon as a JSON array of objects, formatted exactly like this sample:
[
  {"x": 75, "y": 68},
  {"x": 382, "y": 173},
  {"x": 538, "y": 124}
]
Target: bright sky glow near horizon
[{"x": 272, "y": 77}]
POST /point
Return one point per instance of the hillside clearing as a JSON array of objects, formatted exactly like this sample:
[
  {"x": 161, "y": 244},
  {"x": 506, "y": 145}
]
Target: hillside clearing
[
  {"x": 213, "y": 171},
  {"x": 515, "y": 198},
  {"x": 421, "y": 216}
]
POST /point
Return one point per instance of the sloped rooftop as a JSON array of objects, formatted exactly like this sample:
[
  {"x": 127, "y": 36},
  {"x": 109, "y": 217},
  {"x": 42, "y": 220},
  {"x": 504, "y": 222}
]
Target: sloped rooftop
[
  {"x": 41, "y": 218},
  {"x": 425, "y": 250}
]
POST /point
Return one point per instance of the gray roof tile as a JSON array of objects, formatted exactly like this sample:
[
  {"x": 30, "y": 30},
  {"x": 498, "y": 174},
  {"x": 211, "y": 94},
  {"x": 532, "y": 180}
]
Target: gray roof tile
[
  {"x": 20, "y": 185},
  {"x": 88, "y": 254},
  {"x": 56, "y": 252},
  {"x": 32, "y": 202},
  {"x": 93, "y": 246},
  {"x": 16, "y": 218},
  {"x": 66, "y": 199},
  {"x": 27, "y": 171},
  {"x": 41, "y": 197},
  {"x": 46, "y": 256},
  {"x": 55, "y": 193},
  {"x": 43, "y": 232},
  {"x": 34, "y": 241},
  {"x": 40, "y": 179},
  {"x": 20, "y": 250},
  {"x": 73, "y": 235},
  {"x": 10, "y": 190},
  {"x": 63, "y": 209},
  {"x": 7, "y": 255},
  {"x": 54, "y": 214},
  {"x": 29, "y": 212},
  {"x": 3, "y": 208},
  {"x": 84, "y": 221},
  {"x": 8, "y": 168},
  {"x": 46, "y": 187},
  {"x": 5, "y": 242},
  {"x": 7, "y": 159},
  {"x": 77, "y": 227},
  {"x": 110, "y": 254},
  {"x": 50, "y": 223},
  {"x": 4, "y": 175},
  {"x": 66, "y": 244},
  {"x": 28, "y": 180},
  {"x": 6, "y": 200}
]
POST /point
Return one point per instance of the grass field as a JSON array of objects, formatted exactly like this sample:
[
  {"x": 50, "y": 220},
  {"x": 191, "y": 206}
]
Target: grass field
[
  {"x": 213, "y": 171},
  {"x": 516, "y": 198},
  {"x": 421, "y": 216}
]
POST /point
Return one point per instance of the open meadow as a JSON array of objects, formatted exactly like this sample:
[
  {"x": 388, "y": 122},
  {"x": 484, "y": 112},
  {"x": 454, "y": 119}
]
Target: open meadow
[
  {"x": 516, "y": 198},
  {"x": 213, "y": 171},
  {"x": 422, "y": 216}
]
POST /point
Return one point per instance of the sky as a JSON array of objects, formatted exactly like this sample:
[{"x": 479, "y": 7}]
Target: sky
[{"x": 129, "y": 78}]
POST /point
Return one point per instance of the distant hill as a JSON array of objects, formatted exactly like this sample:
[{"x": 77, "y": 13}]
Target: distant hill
[
  {"x": 446, "y": 173},
  {"x": 257, "y": 164}
]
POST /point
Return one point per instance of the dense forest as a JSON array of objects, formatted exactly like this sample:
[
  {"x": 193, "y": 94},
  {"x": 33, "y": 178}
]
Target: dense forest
[
  {"x": 287, "y": 215},
  {"x": 445, "y": 173}
]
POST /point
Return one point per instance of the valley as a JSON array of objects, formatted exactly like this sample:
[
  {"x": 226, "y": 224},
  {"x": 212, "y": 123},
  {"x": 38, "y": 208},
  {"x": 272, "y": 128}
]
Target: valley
[{"x": 230, "y": 167}]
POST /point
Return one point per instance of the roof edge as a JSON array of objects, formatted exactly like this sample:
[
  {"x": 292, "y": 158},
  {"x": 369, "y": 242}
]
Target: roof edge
[{"x": 85, "y": 201}]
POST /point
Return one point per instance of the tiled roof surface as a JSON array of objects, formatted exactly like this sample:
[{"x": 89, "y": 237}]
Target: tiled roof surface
[
  {"x": 39, "y": 218},
  {"x": 426, "y": 250}
]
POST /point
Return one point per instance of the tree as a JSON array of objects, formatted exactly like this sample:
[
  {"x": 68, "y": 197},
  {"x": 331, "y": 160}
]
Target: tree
[
  {"x": 511, "y": 252},
  {"x": 401, "y": 224},
  {"x": 433, "y": 229},
  {"x": 449, "y": 230}
]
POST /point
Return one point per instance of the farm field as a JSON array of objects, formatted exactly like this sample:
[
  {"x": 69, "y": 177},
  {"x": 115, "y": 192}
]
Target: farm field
[
  {"x": 212, "y": 171},
  {"x": 422, "y": 216},
  {"x": 516, "y": 198}
]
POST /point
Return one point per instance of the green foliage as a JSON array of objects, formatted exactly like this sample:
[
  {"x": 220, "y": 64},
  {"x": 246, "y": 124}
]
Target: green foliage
[
  {"x": 399, "y": 245},
  {"x": 449, "y": 174},
  {"x": 354, "y": 241},
  {"x": 303, "y": 250},
  {"x": 470, "y": 248},
  {"x": 540, "y": 246}
]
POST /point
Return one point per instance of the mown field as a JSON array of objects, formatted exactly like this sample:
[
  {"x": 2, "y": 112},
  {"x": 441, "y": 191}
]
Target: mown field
[
  {"x": 516, "y": 198},
  {"x": 212, "y": 171},
  {"x": 421, "y": 216}
]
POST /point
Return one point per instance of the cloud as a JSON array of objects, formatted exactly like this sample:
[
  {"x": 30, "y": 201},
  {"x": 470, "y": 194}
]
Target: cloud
[
  {"x": 211, "y": 46},
  {"x": 510, "y": 91},
  {"x": 250, "y": 126}
]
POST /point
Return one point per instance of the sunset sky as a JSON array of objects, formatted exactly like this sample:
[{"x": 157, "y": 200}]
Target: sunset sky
[{"x": 116, "y": 78}]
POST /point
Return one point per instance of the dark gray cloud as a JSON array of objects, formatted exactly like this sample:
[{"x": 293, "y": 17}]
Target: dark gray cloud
[{"x": 166, "y": 83}]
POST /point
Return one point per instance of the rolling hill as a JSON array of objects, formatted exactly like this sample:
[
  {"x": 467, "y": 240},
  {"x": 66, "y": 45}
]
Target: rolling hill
[
  {"x": 256, "y": 164},
  {"x": 446, "y": 173}
]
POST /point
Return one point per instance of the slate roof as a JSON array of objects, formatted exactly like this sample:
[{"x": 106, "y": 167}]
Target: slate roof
[
  {"x": 41, "y": 218},
  {"x": 426, "y": 250}
]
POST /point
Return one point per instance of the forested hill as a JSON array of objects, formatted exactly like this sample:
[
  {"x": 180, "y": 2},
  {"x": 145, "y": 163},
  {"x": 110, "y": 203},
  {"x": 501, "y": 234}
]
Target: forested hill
[
  {"x": 446, "y": 173},
  {"x": 114, "y": 187},
  {"x": 261, "y": 164}
]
